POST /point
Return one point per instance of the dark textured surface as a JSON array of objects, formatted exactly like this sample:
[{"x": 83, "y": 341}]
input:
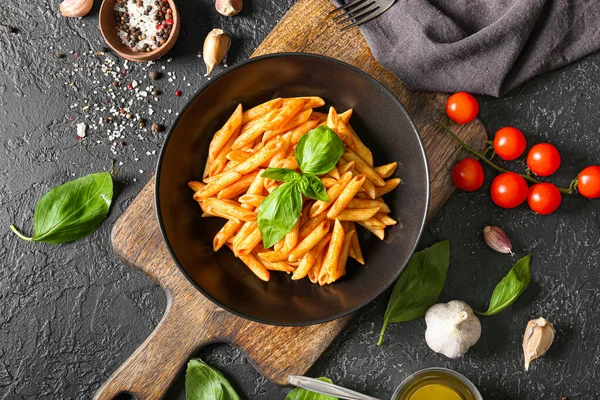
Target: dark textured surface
[{"x": 72, "y": 313}]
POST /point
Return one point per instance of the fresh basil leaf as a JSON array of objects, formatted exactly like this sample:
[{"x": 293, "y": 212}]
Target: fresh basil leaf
[
  {"x": 205, "y": 383},
  {"x": 72, "y": 210},
  {"x": 311, "y": 186},
  {"x": 303, "y": 394},
  {"x": 510, "y": 287},
  {"x": 419, "y": 286},
  {"x": 319, "y": 150},
  {"x": 279, "y": 212},
  {"x": 281, "y": 174}
]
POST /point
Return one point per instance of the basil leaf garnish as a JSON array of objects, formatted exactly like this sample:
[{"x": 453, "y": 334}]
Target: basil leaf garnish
[
  {"x": 311, "y": 186},
  {"x": 281, "y": 174},
  {"x": 72, "y": 210},
  {"x": 205, "y": 383},
  {"x": 279, "y": 212},
  {"x": 419, "y": 286},
  {"x": 319, "y": 150},
  {"x": 303, "y": 394},
  {"x": 510, "y": 287}
]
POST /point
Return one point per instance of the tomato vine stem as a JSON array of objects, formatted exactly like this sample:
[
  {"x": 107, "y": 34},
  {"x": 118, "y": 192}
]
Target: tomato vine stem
[{"x": 495, "y": 166}]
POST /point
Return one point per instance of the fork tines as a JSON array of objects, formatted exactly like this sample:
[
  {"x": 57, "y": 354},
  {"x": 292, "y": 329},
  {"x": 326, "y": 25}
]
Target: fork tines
[{"x": 358, "y": 12}]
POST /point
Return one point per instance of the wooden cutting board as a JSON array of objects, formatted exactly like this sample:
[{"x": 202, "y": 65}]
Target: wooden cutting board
[{"x": 190, "y": 320}]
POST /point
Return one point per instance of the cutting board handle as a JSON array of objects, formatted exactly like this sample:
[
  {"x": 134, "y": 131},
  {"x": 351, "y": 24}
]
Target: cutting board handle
[{"x": 153, "y": 367}]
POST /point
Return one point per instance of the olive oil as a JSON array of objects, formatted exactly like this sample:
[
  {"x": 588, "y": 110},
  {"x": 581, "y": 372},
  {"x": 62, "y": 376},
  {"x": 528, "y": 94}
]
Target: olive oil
[{"x": 437, "y": 384}]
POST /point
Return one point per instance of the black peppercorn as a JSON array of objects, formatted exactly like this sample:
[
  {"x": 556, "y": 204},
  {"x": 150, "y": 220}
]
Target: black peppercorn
[{"x": 154, "y": 75}]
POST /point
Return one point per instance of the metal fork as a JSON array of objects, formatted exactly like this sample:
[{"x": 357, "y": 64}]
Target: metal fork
[{"x": 360, "y": 11}]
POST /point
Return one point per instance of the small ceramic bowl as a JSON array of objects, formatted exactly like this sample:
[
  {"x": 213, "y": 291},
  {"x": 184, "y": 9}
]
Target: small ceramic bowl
[
  {"x": 108, "y": 27},
  {"x": 464, "y": 387}
]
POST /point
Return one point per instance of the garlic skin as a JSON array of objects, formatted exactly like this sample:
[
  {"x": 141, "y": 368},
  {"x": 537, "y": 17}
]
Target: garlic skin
[
  {"x": 452, "y": 328},
  {"x": 76, "y": 8},
  {"x": 538, "y": 337},
  {"x": 216, "y": 46},
  {"x": 229, "y": 8},
  {"x": 497, "y": 239}
]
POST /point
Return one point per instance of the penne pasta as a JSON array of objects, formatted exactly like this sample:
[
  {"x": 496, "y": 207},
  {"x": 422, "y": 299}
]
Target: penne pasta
[
  {"x": 325, "y": 234},
  {"x": 388, "y": 186},
  {"x": 261, "y": 110},
  {"x": 308, "y": 260},
  {"x": 357, "y": 214},
  {"x": 332, "y": 257},
  {"x": 363, "y": 167},
  {"x": 346, "y": 196},
  {"x": 310, "y": 241},
  {"x": 387, "y": 170},
  {"x": 223, "y": 209}
]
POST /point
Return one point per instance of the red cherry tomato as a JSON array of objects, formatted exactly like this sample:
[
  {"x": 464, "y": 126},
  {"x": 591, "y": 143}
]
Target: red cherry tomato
[
  {"x": 462, "y": 107},
  {"x": 544, "y": 198},
  {"x": 509, "y": 143},
  {"x": 509, "y": 190},
  {"x": 468, "y": 175},
  {"x": 543, "y": 159},
  {"x": 588, "y": 182}
]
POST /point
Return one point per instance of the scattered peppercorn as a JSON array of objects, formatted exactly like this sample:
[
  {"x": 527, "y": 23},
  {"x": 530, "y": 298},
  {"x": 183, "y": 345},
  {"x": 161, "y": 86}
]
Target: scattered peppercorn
[
  {"x": 155, "y": 127},
  {"x": 122, "y": 144},
  {"x": 129, "y": 86},
  {"x": 156, "y": 92},
  {"x": 13, "y": 29},
  {"x": 121, "y": 111},
  {"x": 115, "y": 83},
  {"x": 178, "y": 93},
  {"x": 142, "y": 124},
  {"x": 128, "y": 116},
  {"x": 109, "y": 119},
  {"x": 154, "y": 75},
  {"x": 564, "y": 398},
  {"x": 60, "y": 55}
]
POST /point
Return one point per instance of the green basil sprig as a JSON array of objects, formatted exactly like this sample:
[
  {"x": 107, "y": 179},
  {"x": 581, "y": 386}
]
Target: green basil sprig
[
  {"x": 303, "y": 394},
  {"x": 72, "y": 210},
  {"x": 419, "y": 286},
  {"x": 510, "y": 287},
  {"x": 317, "y": 153},
  {"x": 205, "y": 383}
]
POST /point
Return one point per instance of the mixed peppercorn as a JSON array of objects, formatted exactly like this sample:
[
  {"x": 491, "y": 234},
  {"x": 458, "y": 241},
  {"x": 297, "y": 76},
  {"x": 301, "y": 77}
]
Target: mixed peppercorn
[{"x": 143, "y": 25}]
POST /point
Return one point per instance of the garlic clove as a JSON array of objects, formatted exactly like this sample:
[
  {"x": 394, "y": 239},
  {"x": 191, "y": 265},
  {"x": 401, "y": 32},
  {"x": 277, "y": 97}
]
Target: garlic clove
[
  {"x": 497, "y": 239},
  {"x": 452, "y": 328},
  {"x": 229, "y": 8},
  {"x": 538, "y": 337},
  {"x": 216, "y": 46},
  {"x": 76, "y": 8}
]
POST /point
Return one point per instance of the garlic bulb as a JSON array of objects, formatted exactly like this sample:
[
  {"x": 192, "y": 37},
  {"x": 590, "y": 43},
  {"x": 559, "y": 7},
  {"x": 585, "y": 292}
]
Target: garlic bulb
[
  {"x": 538, "y": 337},
  {"x": 452, "y": 328},
  {"x": 216, "y": 46},
  {"x": 76, "y": 8}
]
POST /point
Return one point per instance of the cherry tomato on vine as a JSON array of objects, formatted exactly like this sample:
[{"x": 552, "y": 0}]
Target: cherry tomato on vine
[
  {"x": 509, "y": 143},
  {"x": 468, "y": 175},
  {"x": 462, "y": 107},
  {"x": 544, "y": 198},
  {"x": 588, "y": 182},
  {"x": 543, "y": 159},
  {"x": 509, "y": 190}
]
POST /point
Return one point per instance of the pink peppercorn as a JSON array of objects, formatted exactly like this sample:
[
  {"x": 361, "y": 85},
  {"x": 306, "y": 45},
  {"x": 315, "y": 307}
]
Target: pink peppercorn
[
  {"x": 129, "y": 86},
  {"x": 169, "y": 22},
  {"x": 178, "y": 93}
]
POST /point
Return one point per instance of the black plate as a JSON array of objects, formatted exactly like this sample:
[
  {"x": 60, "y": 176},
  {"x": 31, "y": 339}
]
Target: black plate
[{"x": 383, "y": 125}]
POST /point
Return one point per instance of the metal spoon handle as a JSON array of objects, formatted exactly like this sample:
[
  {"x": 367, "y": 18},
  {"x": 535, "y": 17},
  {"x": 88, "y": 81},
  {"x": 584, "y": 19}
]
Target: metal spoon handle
[{"x": 325, "y": 388}]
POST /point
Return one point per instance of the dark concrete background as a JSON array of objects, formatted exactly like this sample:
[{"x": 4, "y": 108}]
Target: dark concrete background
[{"x": 71, "y": 314}]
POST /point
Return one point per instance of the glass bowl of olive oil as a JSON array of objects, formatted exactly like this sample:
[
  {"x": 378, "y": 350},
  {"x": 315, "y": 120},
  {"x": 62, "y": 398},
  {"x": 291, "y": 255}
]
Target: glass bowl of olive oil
[{"x": 438, "y": 384}]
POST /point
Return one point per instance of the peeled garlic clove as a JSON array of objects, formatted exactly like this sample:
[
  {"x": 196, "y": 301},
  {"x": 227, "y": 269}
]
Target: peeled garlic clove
[
  {"x": 538, "y": 337},
  {"x": 452, "y": 328},
  {"x": 229, "y": 8},
  {"x": 216, "y": 46},
  {"x": 497, "y": 239},
  {"x": 76, "y": 8}
]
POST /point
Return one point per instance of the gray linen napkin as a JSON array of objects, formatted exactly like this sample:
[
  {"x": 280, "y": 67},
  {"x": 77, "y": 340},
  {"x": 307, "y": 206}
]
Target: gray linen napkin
[{"x": 481, "y": 46}]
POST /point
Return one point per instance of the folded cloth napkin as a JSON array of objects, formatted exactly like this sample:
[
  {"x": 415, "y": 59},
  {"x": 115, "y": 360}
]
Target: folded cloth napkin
[{"x": 481, "y": 46}]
